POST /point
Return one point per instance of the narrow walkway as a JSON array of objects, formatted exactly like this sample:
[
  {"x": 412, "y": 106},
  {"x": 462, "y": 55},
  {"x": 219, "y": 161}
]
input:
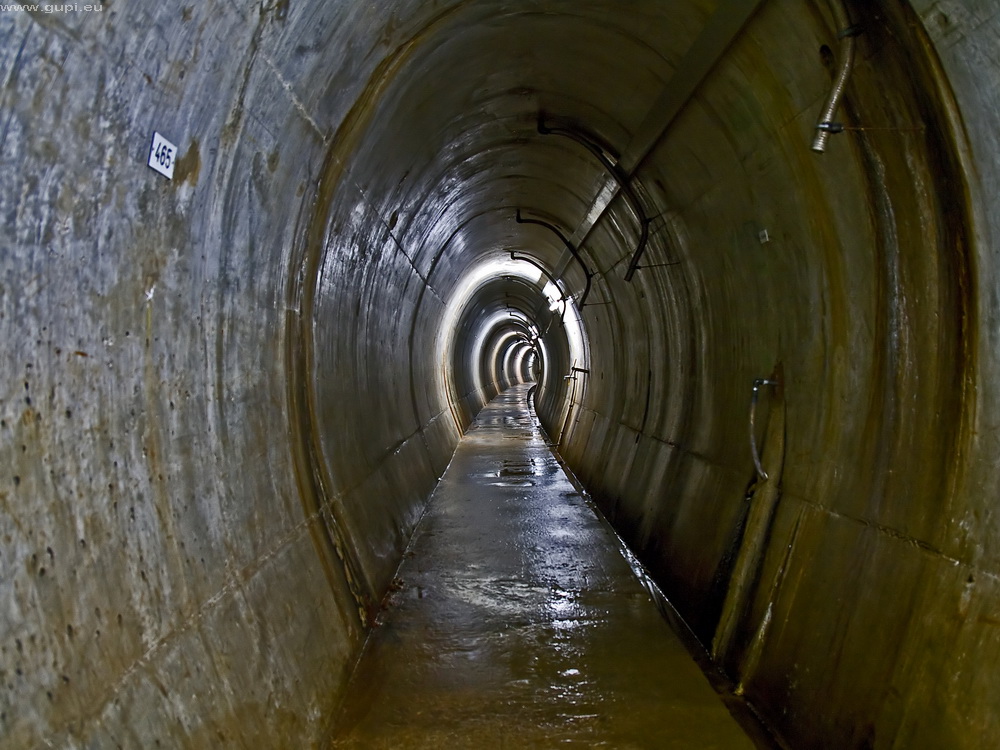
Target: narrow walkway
[{"x": 518, "y": 623}]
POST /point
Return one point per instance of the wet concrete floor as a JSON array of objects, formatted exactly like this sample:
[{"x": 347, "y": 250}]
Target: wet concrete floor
[{"x": 517, "y": 622}]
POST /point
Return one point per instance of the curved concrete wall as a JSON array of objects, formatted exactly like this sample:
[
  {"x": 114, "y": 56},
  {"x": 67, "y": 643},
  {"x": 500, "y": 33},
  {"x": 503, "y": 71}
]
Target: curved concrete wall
[{"x": 228, "y": 395}]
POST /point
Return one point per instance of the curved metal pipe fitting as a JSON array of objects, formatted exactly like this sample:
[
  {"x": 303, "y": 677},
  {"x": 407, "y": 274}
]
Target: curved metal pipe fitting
[
  {"x": 826, "y": 126},
  {"x": 757, "y": 385},
  {"x": 587, "y": 273},
  {"x": 610, "y": 163},
  {"x": 555, "y": 282},
  {"x": 544, "y": 270},
  {"x": 633, "y": 265}
]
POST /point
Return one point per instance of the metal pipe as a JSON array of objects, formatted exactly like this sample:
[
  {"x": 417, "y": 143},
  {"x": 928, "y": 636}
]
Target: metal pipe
[
  {"x": 633, "y": 264},
  {"x": 826, "y": 126},
  {"x": 564, "y": 296},
  {"x": 757, "y": 384},
  {"x": 587, "y": 273},
  {"x": 540, "y": 267},
  {"x": 572, "y": 398},
  {"x": 610, "y": 163}
]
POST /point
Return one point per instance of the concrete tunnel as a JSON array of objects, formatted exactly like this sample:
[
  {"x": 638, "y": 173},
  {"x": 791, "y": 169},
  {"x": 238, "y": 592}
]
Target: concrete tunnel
[{"x": 228, "y": 395}]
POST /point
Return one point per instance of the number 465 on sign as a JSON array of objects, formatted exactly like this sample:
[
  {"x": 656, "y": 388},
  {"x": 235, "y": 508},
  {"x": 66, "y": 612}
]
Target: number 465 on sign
[{"x": 162, "y": 155}]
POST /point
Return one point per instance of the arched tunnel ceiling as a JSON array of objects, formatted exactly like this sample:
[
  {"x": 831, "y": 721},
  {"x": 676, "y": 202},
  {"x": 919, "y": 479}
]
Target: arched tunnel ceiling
[{"x": 452, "y": 146}]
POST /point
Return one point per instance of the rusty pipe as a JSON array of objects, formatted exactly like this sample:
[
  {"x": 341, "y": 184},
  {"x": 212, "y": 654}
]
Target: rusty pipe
[
  {"x": 757, "y": 385},
  {"x": 826, "y": 126}
]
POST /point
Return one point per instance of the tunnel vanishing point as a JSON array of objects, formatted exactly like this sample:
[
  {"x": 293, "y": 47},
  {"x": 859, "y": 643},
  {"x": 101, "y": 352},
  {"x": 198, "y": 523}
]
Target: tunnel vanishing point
[{"x": 748, "y": 249}]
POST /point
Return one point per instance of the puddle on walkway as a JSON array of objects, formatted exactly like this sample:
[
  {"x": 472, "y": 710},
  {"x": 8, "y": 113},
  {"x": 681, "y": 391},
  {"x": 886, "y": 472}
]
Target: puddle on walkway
[{"x": 518, "y": 623}]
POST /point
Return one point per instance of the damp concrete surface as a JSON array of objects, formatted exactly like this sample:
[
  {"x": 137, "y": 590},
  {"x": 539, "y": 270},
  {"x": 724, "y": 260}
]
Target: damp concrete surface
[{"x": 515, "y": 620}]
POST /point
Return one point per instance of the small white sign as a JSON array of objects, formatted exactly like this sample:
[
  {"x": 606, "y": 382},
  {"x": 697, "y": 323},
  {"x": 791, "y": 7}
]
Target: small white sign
[{"x": 162, "y": 155}]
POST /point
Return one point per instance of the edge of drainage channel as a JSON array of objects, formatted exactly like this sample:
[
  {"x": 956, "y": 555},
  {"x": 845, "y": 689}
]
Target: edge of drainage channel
[{"x": 741, "y": 709}]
